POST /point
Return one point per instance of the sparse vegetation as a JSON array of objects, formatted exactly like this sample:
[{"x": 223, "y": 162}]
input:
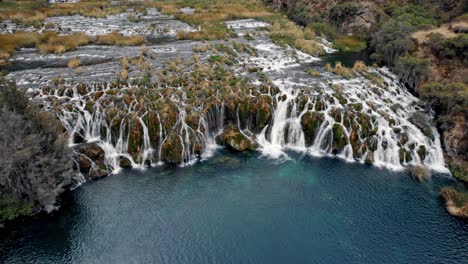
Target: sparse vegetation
[
  {"x": 456, "y": 201},
  {"x": 118, "y": 39},
  {"x": 340, "y": 70},
  {"x": 444, "y": 99},
  {"x": 74, "y": 63},
  {"x": 51, "y": 42}
]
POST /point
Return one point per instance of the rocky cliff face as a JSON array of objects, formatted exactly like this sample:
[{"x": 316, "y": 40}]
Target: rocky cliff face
[{"x": 360, "y": 17}]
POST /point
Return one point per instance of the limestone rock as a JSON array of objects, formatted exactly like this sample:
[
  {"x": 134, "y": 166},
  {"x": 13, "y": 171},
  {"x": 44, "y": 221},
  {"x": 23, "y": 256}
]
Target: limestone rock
[
  {"x": 234, "y": 139},
  {"x": 356, "y": 17}
]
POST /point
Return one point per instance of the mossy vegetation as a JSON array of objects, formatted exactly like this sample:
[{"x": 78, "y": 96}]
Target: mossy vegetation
[
  {"x": 12, "y": 207},
  {"x": 459, "y": 171},
  {"x": 456, "y": 201},
  {"x": 350, "y": 44}
]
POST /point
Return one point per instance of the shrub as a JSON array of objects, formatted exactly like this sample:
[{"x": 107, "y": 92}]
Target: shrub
[
  {"x": 412, "y": 70},
  {"x": 341, "y": 12},
  {"x": 452, "y": 48},
  {"x": 459, "y": 171},
  {"x": 417, "y": 16},
  {"x": 35, "y": 162},
  {"x": 445, "y": 98},
  {"x": 323, "y": 29},
  {"x": 391, "y": 41}
]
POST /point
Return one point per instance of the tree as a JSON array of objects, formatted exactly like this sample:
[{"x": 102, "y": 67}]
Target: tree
[
  {"x": 36, "y": 165},
  {"x": 391, "y": 41}
]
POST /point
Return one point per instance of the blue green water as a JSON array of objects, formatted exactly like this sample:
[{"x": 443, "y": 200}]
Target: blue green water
[{"x": 245, "y": 209}]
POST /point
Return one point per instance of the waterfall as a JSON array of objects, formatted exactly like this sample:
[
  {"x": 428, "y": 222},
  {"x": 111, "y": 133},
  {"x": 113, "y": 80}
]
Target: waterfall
[{"x": 363, "y": 117}]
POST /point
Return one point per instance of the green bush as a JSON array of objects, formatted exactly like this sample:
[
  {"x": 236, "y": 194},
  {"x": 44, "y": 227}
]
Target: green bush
[
  {"x": 392, "y": 41},
  {"x": 445, "y": 98},
  {"x": 417, "y": 16},
  {"x": 459, "y": 172},
  {"x": 12, "y": 207},
  {"x": 452, "y": 48}
]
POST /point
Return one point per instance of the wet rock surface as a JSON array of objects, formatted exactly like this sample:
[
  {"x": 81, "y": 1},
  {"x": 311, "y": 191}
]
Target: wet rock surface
[
  {"x": 151, "y": 24},
  {"x": 168, "y": 102},
  {"x": 234, "y": 139}
]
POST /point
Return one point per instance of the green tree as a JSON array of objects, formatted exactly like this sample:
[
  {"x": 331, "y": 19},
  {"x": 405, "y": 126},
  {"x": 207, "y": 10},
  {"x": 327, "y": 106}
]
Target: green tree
[{"x": 391, "y": 41}]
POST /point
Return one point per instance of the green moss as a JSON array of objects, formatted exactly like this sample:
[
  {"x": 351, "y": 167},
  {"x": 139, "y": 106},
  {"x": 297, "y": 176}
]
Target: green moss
[
  {"x": 350, "y": 44},
  {"x": 12, "y": 207},
  {"x": 459, "y": 172},
  {"x": 339, "y": 138},
  {"x": 422, "y": 152},
  {"x": 171, "y": 150},
  {"x": 405, "y": 155},
  {"x": 310, "y": 122}
]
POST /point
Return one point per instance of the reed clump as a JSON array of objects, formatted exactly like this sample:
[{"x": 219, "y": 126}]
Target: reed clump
[
  {"x": 74, "y": 63},
  {"x": 51, "y": 42},
  {"x": 340, "y": 69},
  {"x": 118, "y": 39},
  {"x": 14, "y": 41},
  {"x": 360, "y": 66}
]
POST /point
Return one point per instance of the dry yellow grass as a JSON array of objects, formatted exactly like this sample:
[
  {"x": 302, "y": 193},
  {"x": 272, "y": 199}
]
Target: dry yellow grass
[
  {"x": 118, "y": 39},
  {"x": 30, "y": 12},
  {"x": 309, "y": 46},
  {"x": 74, "y": 63},
  {"x": 339, "y": 69},
  {"x": 360, "y": 66},
  {"x": 11, "y": 42},
  {"x": 51, "y": 42}
]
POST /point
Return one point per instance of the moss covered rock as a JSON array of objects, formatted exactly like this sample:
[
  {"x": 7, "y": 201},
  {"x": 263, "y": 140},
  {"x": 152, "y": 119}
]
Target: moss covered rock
[
  {"x": 234, "y": 139},
  {"x": 171, "y": 150},
  {"x": 340, "y": 140},
  {"x": 310, "y": 123}
]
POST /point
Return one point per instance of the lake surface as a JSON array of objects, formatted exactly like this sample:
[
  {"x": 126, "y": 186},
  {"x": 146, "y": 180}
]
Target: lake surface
[{"x": 241, "y": 208}]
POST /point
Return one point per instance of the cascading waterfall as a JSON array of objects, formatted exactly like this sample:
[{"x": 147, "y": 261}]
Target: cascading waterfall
[
  {"x": 390, "y": 151},
  {"x": 285, "y": 131},
  {"x": 355, "y": 118}
]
